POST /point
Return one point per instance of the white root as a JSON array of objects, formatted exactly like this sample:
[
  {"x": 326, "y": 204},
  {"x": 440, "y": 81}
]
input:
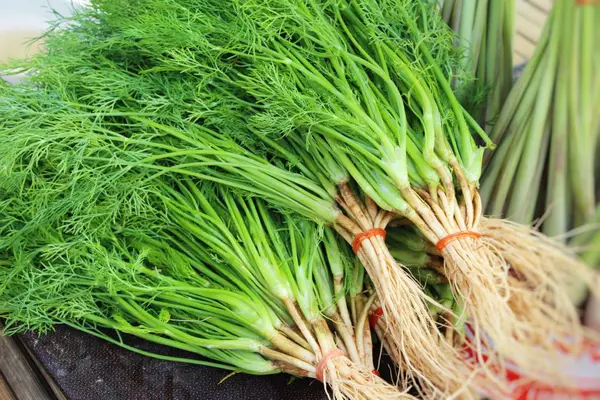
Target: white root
[
  {"x": 544, "y": 273},
  {"x": 354, "y": 382},
  {"x": 419, "y": 347}
]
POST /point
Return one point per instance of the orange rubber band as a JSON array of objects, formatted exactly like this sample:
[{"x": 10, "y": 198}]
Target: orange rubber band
[
  {"x": 375, "y": 372},
  {"x": 374, "y": 318},
  {"x": 323, "y": 363},
  {"x": 366, "y": 235},
  {"x": 441, "y": 245}
]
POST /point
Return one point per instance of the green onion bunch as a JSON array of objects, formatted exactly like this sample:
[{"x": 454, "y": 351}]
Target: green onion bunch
[
  {"x": 547, "y": 134},
  {"x": 549, "y": 121}
]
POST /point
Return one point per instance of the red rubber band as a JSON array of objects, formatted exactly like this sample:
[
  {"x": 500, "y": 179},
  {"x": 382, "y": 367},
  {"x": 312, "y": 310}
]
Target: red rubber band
[
  {"x": 374, "y": 318},
  {"x": 323, "y": 363},
  {"x": 441, "y": 245},
  {"x": 366, "y": 235},
  {"x": 375, "y": 372}
]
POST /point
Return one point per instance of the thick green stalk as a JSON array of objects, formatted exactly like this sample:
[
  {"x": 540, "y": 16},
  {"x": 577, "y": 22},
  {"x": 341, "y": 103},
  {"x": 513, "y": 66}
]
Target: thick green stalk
[
  {"x": 467, "y": 21},
  {"x": 557, "y": 220},
  {"x": 495, "y": 62},
  {"x": 512, "y": 103},
  {"x": 520, "y": 209},
  {"x": 582, "y": 132},
  {"x": 493, "y": 194},
  {"x": 478, "y": 41}
]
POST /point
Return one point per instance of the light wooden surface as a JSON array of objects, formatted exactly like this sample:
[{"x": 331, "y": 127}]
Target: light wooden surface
[
  {"x": 13, "y": 43},
  {"x": 5, "y": 391},
  {"x": 20, "y": 374},
  {"x": 529, "y": 22}
]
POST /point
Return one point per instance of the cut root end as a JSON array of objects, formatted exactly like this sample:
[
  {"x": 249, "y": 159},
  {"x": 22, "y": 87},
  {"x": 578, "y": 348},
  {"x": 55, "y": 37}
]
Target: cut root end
[
  {"x": 547, "y": 279},
  {"x": 514, "y": 283},
  {"x": 350, "y": 381},
  {"x": 512, "y": 320},
  {"x": 412, "y": 336}
]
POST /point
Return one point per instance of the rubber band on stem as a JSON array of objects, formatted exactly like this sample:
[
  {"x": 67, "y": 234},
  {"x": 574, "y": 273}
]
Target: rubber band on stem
[
  {"x": 358, "y": 239},
  {"x": 323, "y": 363},
  {"x": 441, "y": 245},
  {"x": 374, "y": 318}
]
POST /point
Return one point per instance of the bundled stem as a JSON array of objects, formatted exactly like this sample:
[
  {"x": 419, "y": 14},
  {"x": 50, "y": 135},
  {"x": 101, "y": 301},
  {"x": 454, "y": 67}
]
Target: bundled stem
[{"x": 201, "y": 270}]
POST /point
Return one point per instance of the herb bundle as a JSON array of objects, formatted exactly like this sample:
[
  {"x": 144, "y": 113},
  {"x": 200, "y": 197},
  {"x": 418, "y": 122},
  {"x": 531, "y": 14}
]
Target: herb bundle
[
  {"x": 340, "y": 111},
  {"x": 69, "y": 136},
  {"x": 166, "y": 258},
  {"x": 201, "y": 130},
  {"x": 362, "y": 85}
]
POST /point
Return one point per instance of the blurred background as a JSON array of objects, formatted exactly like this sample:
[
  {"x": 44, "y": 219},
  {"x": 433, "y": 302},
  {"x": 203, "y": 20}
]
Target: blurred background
[{"x": 20, "y": 21}]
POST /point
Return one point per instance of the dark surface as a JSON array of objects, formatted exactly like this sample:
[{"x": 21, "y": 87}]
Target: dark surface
[{"x": 88, "y": 368}]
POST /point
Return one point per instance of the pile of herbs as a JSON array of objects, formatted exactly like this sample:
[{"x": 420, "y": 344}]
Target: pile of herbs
[{"x": 192, "y": 144}]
